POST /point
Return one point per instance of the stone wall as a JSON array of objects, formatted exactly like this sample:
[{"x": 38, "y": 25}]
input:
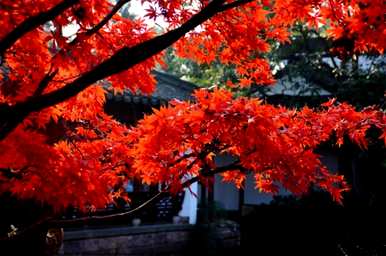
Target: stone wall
[
  {"x": 163, "y": 239},
  {"x": 166, "y": 239}
]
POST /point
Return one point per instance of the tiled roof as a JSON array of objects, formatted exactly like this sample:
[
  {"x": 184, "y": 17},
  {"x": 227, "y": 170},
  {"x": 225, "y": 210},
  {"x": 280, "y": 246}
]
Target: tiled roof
[{"x": 168, "y": 87}]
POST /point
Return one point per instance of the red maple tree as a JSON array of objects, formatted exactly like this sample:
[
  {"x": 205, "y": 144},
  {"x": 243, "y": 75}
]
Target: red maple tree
[{"x": 58, "y": 146}]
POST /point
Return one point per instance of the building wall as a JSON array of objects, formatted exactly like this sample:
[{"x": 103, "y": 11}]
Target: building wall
[
  {"x": 225, "y": 194},
  {"x": 252, "y": 195}
]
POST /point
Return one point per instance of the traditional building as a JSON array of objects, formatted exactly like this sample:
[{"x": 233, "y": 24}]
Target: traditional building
[{"x": 129, "y": 108}]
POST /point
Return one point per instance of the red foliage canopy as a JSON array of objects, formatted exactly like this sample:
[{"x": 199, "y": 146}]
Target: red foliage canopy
[
  {"x": 59, "y": 147},
  {"x": 274, "y": 143}
]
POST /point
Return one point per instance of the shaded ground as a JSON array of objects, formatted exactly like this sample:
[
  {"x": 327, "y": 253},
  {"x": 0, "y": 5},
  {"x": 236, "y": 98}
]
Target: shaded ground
[{"x": 315, "y": 232}]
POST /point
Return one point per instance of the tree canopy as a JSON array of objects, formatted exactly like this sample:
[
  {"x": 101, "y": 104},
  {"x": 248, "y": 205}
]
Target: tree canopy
[{"x": 59, "y": 147}]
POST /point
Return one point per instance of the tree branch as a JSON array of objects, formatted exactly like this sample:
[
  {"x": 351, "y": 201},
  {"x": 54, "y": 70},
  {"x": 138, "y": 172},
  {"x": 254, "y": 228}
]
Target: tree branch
[
  {"x": 52, "y": 223},
  {"x": 34, "y": 22},
  {"x": 82, "y": 36},
  {"x": 106, "y": 19},
  {"x": 232, "y": 167},
  {"x": 123, "y": 59},
  {"x": 66, "y": 223},
  {"x": 44, "y": 82}
]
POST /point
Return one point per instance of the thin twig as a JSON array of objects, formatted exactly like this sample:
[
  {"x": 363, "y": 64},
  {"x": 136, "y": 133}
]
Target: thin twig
[
  {"x": 61, "y": 223},
  {"x": 33, "y": 22}
]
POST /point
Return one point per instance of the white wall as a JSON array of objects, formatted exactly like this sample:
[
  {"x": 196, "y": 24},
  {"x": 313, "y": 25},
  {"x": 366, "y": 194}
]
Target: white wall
[{"x": 189, "y": 205}]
